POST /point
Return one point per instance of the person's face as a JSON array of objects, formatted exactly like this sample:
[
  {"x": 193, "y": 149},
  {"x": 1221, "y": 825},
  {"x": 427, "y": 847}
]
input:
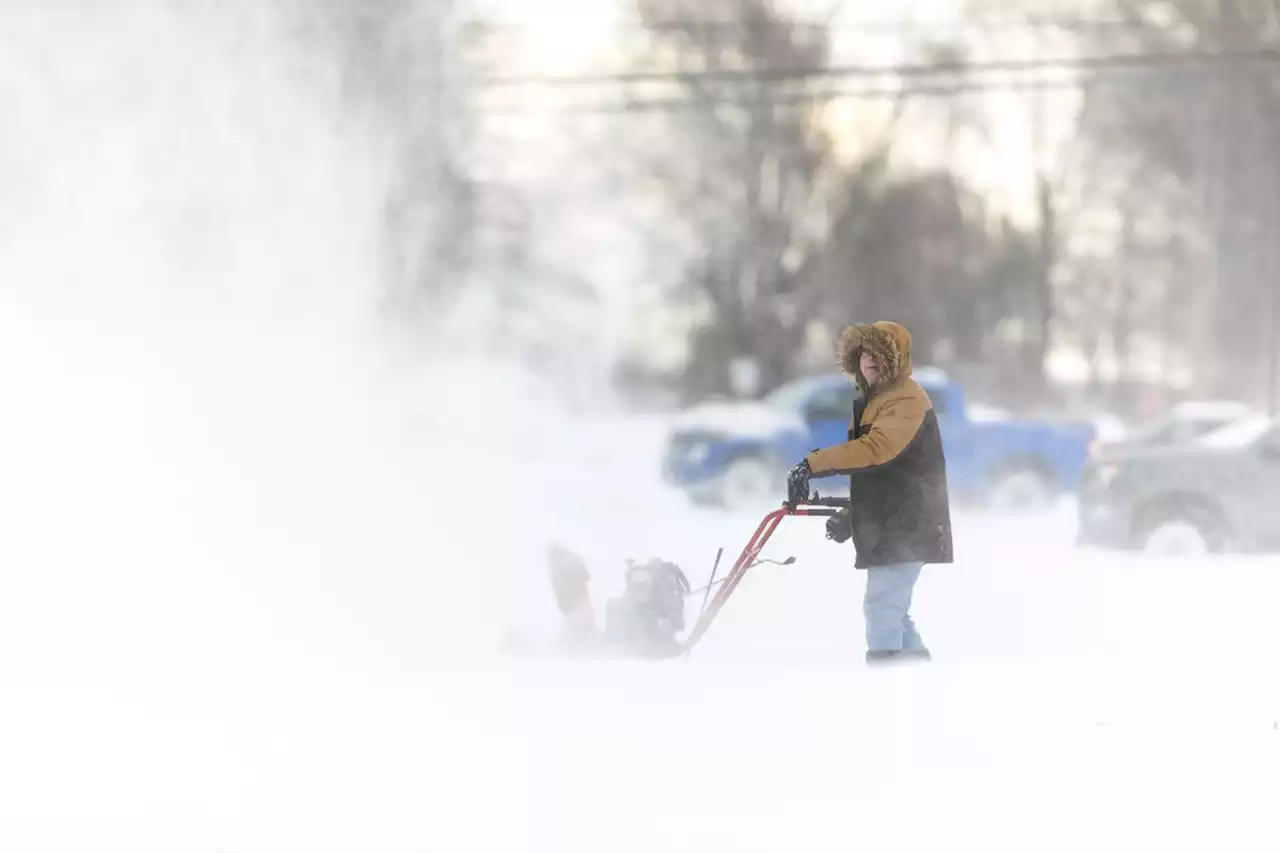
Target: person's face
[{"x": 868, "y": 367}]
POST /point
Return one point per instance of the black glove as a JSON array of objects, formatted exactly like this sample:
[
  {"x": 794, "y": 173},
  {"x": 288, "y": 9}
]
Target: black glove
[
  {"x": 840, "y": 527},
  {"x": 798, "y": 483}
]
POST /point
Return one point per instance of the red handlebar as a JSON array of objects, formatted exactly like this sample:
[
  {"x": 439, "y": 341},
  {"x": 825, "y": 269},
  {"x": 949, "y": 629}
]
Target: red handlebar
[{"x": 814, "y": 506}]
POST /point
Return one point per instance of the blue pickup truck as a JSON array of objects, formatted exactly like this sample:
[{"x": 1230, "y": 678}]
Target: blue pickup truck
[{"x": 737, "y": 454}]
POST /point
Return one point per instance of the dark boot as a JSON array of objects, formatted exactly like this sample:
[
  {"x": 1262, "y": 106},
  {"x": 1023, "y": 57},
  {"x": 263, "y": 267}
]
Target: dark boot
[
  {"x": 898, "y": 658},
  {"x": 882, "y": 658}
]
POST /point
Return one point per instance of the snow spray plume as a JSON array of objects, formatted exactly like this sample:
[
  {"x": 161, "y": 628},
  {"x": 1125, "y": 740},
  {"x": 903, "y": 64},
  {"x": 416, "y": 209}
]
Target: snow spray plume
[
  {"x": 206, "y": 471},
  {"x": 225, "y": 528}
]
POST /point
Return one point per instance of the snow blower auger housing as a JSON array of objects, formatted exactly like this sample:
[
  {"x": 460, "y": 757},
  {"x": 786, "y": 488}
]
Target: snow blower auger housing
[{"x": 750, "y": 557}]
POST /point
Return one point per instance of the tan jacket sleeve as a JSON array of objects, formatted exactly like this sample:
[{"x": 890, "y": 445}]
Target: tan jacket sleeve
[{"x": 893, "y": 428}]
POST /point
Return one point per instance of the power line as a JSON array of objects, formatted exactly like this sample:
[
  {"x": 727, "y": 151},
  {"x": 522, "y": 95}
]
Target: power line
[
  {"x": 812, "y": 96},
  {"x": 483, "y": 28},
  {"x": 1096, "y": 64}
]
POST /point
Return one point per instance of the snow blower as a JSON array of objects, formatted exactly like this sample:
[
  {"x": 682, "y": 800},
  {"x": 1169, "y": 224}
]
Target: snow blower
[{"x": 646, "y": 619}]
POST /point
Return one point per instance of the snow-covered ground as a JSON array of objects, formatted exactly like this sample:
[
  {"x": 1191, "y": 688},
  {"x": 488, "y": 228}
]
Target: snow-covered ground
[{"x": 1077, "y": 701}]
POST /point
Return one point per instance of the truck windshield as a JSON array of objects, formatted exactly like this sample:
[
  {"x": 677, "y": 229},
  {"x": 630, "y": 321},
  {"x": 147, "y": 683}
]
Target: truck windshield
[{"x": 791, "y": 397}]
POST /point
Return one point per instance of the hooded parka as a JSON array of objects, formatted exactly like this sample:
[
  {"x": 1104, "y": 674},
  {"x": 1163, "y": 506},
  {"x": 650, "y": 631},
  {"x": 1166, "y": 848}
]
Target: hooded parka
[{"x": 899, "y": 507}]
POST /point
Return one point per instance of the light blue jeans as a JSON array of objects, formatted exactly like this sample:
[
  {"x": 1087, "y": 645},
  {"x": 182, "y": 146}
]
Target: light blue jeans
[{"x": 886, "y": 606}]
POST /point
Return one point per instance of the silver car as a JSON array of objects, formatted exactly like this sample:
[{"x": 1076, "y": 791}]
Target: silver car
[{"x": 1216, "y": 493}]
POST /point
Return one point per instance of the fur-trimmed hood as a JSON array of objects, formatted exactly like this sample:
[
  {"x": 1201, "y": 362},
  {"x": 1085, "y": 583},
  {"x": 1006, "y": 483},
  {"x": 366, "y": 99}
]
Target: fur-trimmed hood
[{"x": 889, "y": 345}]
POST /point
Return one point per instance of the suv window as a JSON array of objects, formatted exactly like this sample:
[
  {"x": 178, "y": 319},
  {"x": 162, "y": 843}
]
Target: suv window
[
  {"x": 1187, "y": 430},
  {"x": 1269, "y": 444}
]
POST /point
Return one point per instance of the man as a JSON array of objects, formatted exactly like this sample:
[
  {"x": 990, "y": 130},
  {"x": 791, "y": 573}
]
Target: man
[{"x": 899, "y": 515}]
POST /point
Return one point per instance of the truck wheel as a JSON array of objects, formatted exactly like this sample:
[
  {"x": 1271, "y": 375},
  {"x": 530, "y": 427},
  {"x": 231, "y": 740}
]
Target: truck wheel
[
  {"x": 1182, "y": 531},
  {"x": 1176, "y": 538},
  {"x": 751, "y": 482},
  {"x": 1020, "y": 490}
]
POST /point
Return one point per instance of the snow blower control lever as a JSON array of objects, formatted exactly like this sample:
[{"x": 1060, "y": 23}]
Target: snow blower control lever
[{"x": 796, "y": 504}]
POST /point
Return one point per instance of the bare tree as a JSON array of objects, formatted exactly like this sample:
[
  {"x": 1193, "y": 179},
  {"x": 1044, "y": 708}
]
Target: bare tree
[
  {"x": 1194, "y": 151},
  {"x": 749, "y": 176},
  {"x": 783, "y": 234}
]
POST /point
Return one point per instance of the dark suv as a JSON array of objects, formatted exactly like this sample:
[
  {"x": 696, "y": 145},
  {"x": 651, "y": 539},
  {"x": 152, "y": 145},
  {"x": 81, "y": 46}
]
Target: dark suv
[{"x": 1216, "y": 493}]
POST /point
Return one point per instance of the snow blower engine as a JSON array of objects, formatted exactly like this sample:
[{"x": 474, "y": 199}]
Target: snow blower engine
[
  {"x": 642, "y": 621},
  {"x": 649, "y": 614}
]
